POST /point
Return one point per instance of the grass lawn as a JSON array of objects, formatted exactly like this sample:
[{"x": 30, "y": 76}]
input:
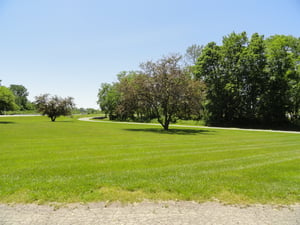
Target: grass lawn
[{"x": 72, "y": 161}]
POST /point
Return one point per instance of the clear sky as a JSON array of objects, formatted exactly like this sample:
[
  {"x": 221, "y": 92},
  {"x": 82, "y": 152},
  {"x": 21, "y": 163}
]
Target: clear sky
[{"x": 70, "y": 47}]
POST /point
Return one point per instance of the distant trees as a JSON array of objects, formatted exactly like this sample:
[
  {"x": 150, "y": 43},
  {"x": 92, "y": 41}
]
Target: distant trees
[
  {"x": 21, "y": 94},
  {"x": 108, "y": 99},
  {"x": 54, "y": 106},
  {"x": 7, "y": 100},
  {"x": 161, "y": 90},
  {"x": 192, "y": 54}
]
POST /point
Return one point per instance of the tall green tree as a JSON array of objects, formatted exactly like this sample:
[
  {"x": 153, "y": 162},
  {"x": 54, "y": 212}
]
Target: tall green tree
[
  {"x": 279, "y": 67},
  {"x": 294, "y": 77},
  {"x": 231, "y": 53},
  {"x": 221, "y": 70},
  {"x": 208, "y": 69},
  {"x": 254, "y": 78}
]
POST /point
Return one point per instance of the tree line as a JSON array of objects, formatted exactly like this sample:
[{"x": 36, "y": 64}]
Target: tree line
[
  {"x": 14, "y": 98},
  {"x": 242, "y": 81},
  {"x": 252, "y": 80}
]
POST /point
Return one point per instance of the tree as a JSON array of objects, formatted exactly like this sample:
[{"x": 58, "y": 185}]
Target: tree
[
  {"x": 167, "y": 91},
  {"x": 280, "y": 67},
  {"x": 21, "y": 94},
  {"x": 220, "y": 68},
  {"x": 254, "y": 78},
  {"x": 208, "y": 69},
  {"x": 54, "y": 106},
  {"x": 191, "y": 56},
  {"x": 7, "y": 100},
  {"x": 231, "y": 51}
]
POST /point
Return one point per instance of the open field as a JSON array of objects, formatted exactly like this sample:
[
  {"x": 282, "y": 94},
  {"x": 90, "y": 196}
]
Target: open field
[{"x": 76, "y": 161}]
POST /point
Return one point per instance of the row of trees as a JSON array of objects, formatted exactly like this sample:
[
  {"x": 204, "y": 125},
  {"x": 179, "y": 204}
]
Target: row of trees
[
  {"x": 15, "y": 98},
  {"x": 252, "y": 80},
  {"x": 241, "y": 81}
]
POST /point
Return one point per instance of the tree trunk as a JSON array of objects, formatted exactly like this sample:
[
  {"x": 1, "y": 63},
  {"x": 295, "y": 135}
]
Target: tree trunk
[{"x": 166, "y": 125}]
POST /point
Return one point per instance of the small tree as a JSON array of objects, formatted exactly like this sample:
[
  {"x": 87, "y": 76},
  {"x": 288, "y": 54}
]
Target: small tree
[{"x": 54, "y": 106}]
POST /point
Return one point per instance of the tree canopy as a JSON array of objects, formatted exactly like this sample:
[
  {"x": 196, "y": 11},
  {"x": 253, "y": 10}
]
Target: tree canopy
[
  {"x": 21, "y": 95},
  {"x": 251, "y": 81}
]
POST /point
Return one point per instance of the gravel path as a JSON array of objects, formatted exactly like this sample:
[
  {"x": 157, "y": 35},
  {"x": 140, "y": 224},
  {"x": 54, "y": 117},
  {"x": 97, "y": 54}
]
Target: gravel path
[{"x": 149, "y": 213}]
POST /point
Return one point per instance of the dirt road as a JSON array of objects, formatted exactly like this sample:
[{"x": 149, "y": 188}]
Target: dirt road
[{"x": 145, "y": 213}]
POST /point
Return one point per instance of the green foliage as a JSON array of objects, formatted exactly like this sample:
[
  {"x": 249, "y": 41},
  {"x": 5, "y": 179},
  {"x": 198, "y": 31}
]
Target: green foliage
[
  {"x": 283, "y": 65},
  {"x": 251, "y": 81},
  {"x": 54, "y": 106},
  {"x": 108, "y": 99},
  {"x": 7, "y": 100},
  {"x": 21, "y": 94},
  {"x": 74, "y": 161}
]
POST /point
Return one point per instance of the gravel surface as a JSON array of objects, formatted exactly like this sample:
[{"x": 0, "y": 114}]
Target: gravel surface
[{"x": 149, "y": 213}]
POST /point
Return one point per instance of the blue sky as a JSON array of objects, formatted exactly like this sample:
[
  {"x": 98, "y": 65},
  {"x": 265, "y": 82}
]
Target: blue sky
[{"x": 70, "y": 47}]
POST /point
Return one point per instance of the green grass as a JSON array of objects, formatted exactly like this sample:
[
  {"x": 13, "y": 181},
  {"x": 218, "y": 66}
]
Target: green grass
[{"x": 76, "y": 161}]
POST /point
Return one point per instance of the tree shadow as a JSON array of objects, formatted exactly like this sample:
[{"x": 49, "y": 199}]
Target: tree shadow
[
  {"x": 6, "y": 122},
  {"x": 172, "y": 131}
]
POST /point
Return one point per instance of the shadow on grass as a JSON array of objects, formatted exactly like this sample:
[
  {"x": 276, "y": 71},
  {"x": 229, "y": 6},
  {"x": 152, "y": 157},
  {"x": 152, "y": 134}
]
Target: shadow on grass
[
  {"x": 62, "y": 121},
  {"x": 173, "y": 131},
  {"x": 6, "y": 122}
]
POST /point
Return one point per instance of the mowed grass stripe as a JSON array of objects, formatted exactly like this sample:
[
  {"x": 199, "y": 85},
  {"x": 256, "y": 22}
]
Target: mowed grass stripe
[
  {"x": 171, "y": 154},
  {"x": 69, "y": 161},
  {"x": 205, "y": 165}
]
